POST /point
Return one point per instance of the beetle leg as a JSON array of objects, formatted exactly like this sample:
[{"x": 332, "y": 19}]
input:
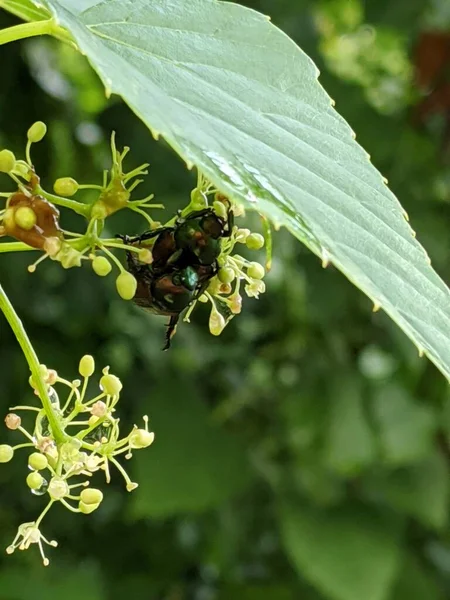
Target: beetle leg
[
  {"x": 147, "y": 235},
  {"x": 171, "y": 330}
]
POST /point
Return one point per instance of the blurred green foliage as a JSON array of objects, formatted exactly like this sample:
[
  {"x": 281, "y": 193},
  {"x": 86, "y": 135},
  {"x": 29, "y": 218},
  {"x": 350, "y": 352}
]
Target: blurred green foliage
[{"x": 302, "y": 455}]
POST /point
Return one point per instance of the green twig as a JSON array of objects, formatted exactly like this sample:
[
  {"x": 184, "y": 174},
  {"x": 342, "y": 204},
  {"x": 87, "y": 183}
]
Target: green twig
[
  {"x": 15, "y": 247},
  {"x": 16, "y": 325},
  {"x": 78, "y": 207},
  {"x": 33, "y": 29}
]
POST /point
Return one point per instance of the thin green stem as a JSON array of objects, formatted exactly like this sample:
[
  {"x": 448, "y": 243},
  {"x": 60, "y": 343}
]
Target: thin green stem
[
  {"x": 78, "y": 207},
  {"x": 15, "y": 247},
  {"x": 16, "y": 325},
  {"x": 33, "y": 29}
]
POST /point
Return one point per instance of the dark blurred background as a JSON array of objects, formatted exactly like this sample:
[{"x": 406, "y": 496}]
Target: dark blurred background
[{"x": 304, "y": 454}]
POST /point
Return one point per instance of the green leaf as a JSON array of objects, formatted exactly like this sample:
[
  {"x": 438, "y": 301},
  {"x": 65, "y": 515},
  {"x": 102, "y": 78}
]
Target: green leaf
[
  {"x": 415, "y": 583},
  {"x": 25, "y": 9},
  {"x": 421, "y": 491},
  {"x": 234, "y": 95},
  {"x": 348, "y": 554},
  {"x": 68, "y": 581},
  {"x": 193, "y": 465},
  {"x": 256, "y": 592},
  {"x": 406, "y": 428},
  {"x": 349, "y": 441}
]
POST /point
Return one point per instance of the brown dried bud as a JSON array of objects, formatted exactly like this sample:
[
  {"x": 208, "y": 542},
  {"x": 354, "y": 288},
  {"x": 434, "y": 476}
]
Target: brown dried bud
[{"x": 12, "y": 421}]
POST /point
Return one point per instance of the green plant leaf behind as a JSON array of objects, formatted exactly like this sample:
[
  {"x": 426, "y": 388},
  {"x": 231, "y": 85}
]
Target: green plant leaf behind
[
  {"x": 235, "y": 96},
  {"x": 25, "y": 9},
  {"x": 348, "y": 553},
  {"x": 193, "y": 465}
]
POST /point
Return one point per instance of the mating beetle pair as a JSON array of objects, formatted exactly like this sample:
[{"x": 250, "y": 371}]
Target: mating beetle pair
[{"x": 184, "y": 262}]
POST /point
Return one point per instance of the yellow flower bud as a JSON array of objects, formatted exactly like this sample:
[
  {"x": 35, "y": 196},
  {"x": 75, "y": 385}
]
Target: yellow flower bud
[
  {"x": 37, "y": 132},
  {"x": 7, "y": 161},
  {"x": 35, "y": 480},
  {"x": 101, "y": 266},
  {"x": 86, "y": 367},
  {"x": 25, "y": 217},
  {"x": 6, "y": 453},
  {"x": 65, "y": 186},
  {"x": 256, "y": 271},
  {"x": 111, "y": 384},
  {"x": 126, "y": 285},
  {"x": 37, "y": 461},
  {"x": 91, "y": 496}
]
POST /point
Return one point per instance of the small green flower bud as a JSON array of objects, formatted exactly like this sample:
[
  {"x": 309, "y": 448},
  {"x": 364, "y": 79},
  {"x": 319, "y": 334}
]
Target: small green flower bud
[
  {"x": 86, "y": 367},
  {"x": 93, "y": 420},
  {"x": 226, "y": 275},
  {"x": 12, "y": 421},
  {"x": 91, "y": 496},
  {"x": 37, "y": 132},
  {"x": 87, "y": 509},
  {"x": 141, "y": 438},
  {"x": 66, "y": 186},
  {"x": 256, "y": 271},
  {"x": 101, "y": 266},
  {"x": 126, "y": 285},
  {"x": 25, "y": 217},
  {"x": 146, "y": 256},
  {"x": 131, "y": 486},
  {"x": 44, "y": 374},
  {"x": 255, "y": 241},
  {"x": 220, "y": 209},
  {"x": 111, "y": 384},
  {"x": 6, "y": 453},
  {"x": 214, "y": 286},
  {"x": 203, "y": 299},
  {"x": 37, "y": 461},
  {"x": 7, "y": 161},
  {"x": 242, "y": 235},
  {"x": 35, "y": 480},
  {"x": 58, "y": 488},
  {"x": 217, "y": 322}
]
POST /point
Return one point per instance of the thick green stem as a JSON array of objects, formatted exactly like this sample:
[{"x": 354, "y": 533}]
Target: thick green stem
[
  {"x": 16, "y": 325},
  {"x": 33, "y": 29}
]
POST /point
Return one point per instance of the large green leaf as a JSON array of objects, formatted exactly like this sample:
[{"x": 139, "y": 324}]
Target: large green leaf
[
  {"x": 235, "y": 96},
  {"x": 348, "y": 554}
]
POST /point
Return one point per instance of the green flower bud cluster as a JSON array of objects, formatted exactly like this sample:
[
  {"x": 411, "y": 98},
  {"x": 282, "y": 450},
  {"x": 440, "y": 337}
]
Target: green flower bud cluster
[{"x": 92, "y": 443}]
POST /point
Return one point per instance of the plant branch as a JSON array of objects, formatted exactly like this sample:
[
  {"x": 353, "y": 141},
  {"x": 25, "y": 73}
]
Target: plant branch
[
  {"x": 16, "y": 325},
  {"x": 78, "y": 207},
  {"x": 33, "y": 29}
]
